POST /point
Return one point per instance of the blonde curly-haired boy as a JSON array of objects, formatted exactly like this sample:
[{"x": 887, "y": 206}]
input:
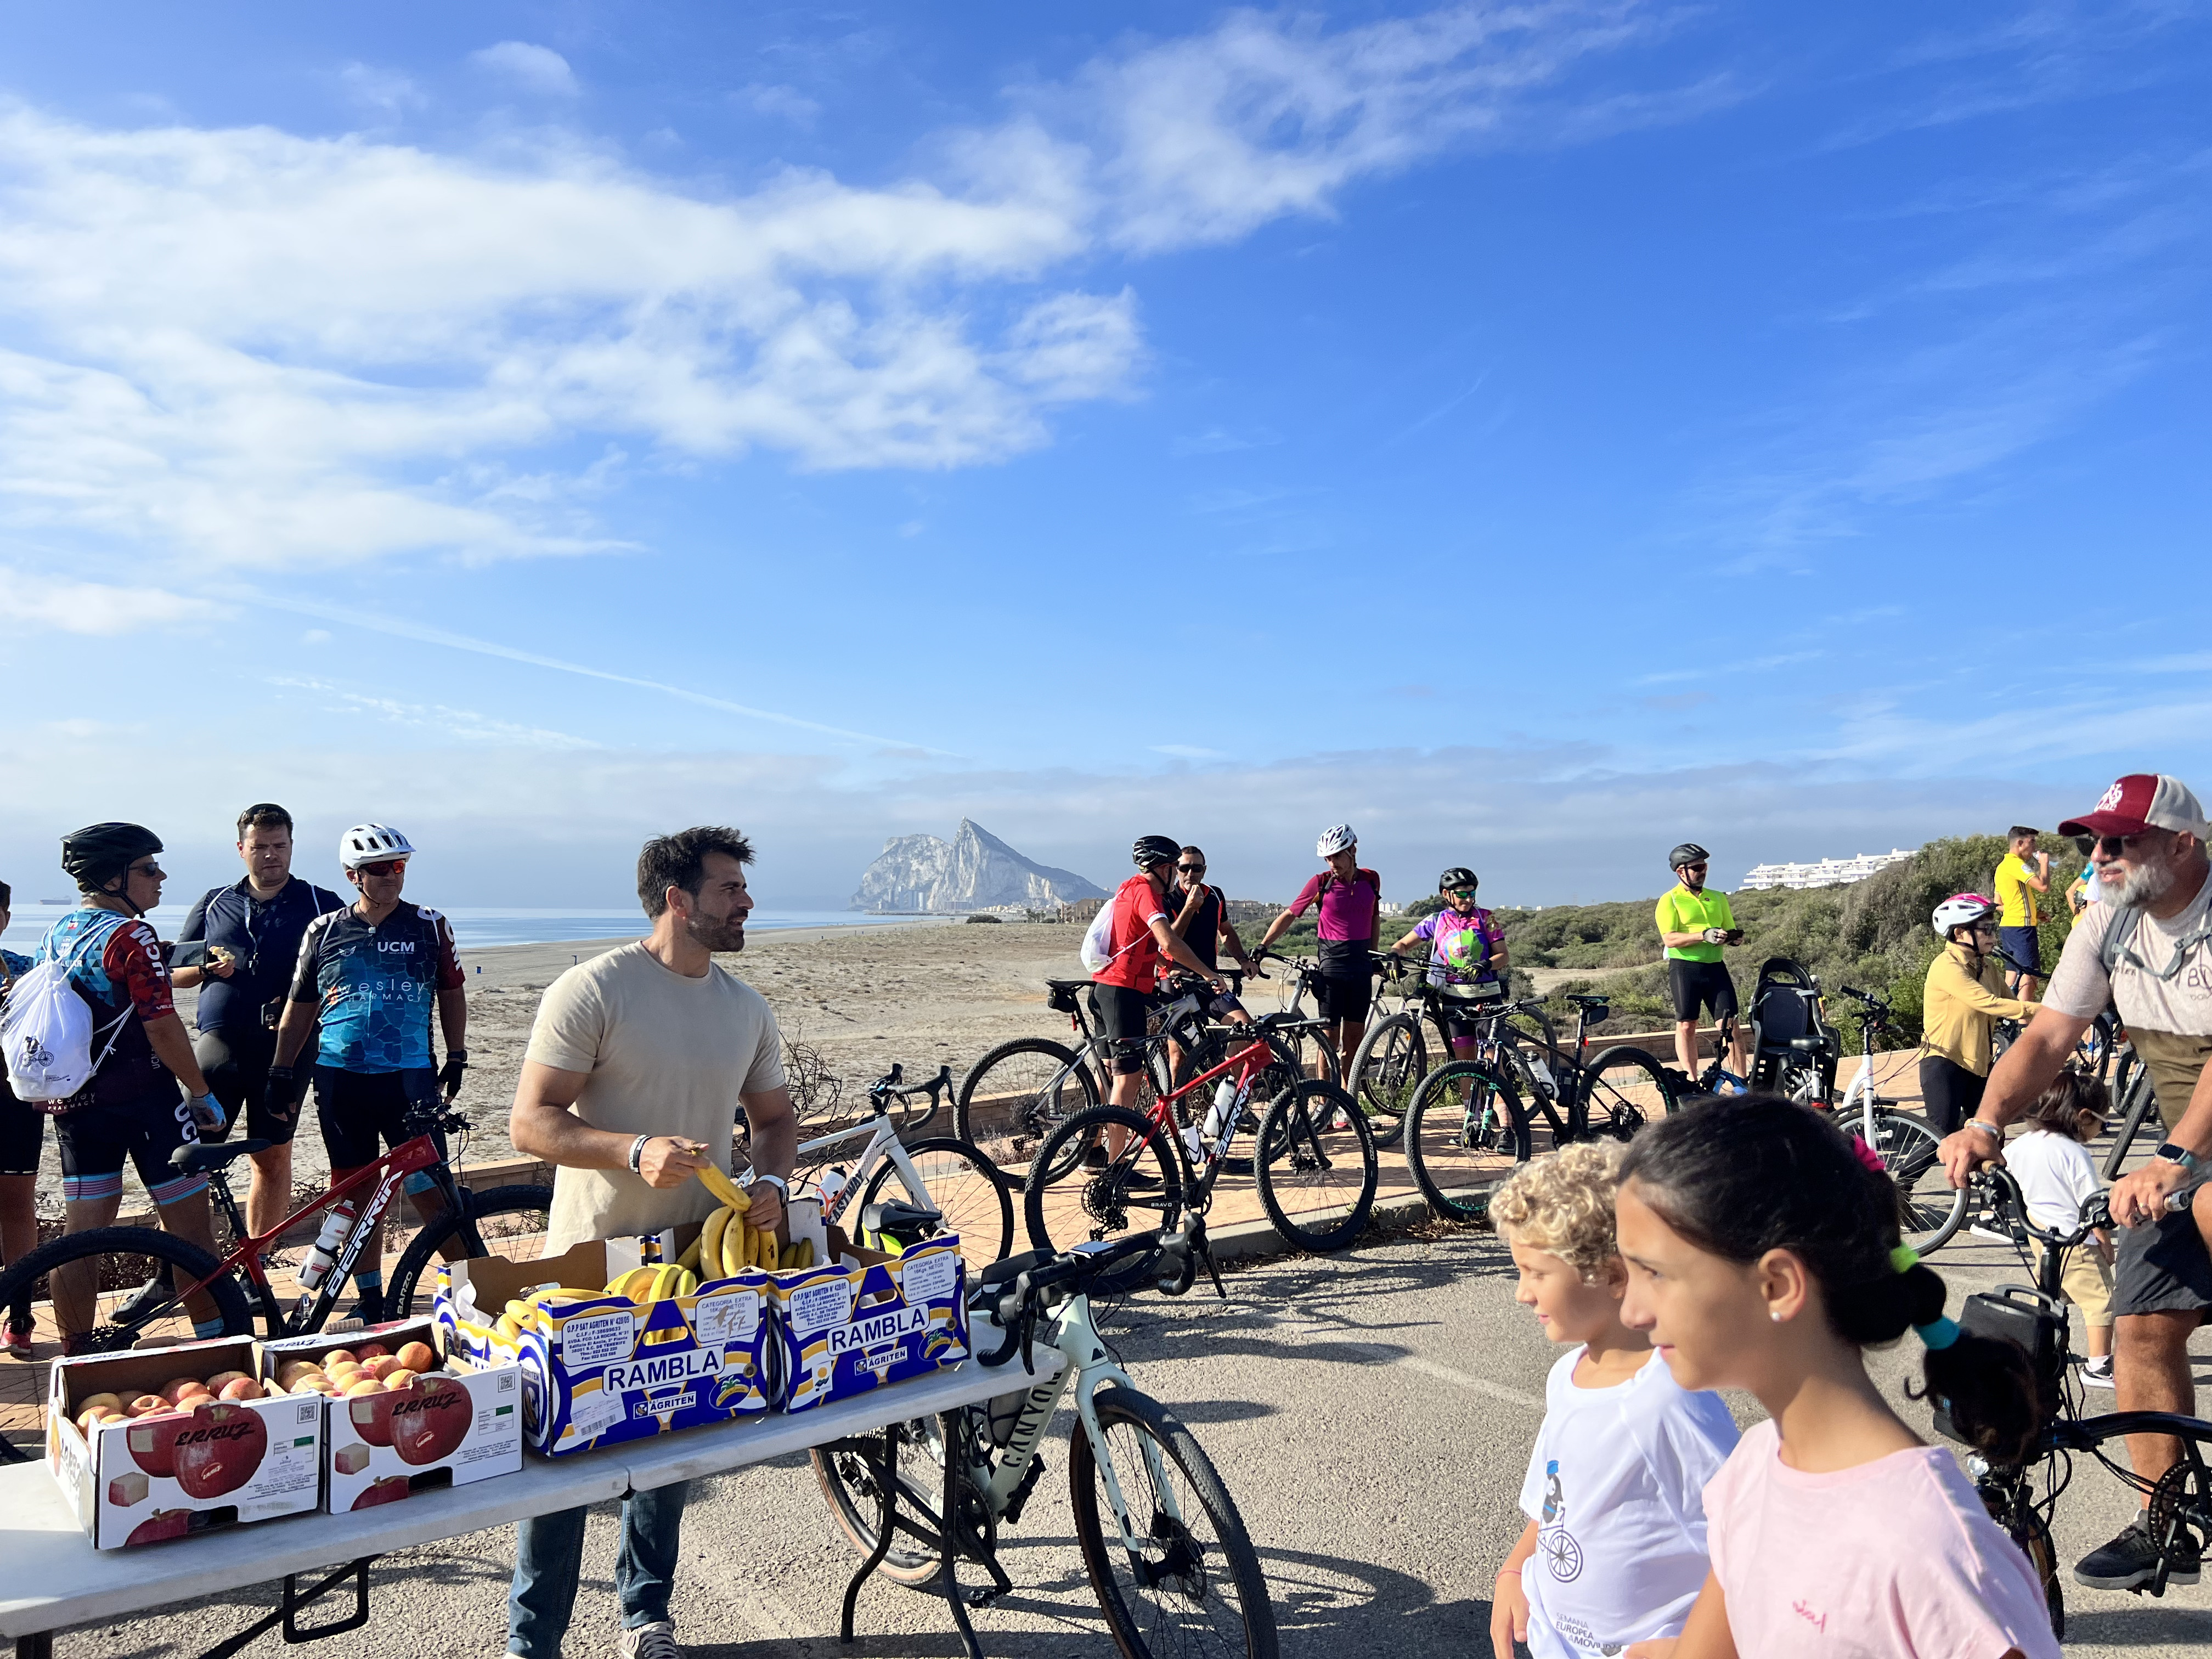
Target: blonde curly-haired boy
[{"x": 1614, "y": 1551}]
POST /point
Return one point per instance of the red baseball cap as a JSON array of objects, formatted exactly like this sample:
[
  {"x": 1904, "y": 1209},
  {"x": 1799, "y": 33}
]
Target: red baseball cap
[{"x": 2140, "y": 801}]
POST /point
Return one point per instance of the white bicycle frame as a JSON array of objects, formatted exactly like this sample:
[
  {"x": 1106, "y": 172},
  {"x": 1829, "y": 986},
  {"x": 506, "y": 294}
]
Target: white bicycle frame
[{"x": 883, "y": 1143}]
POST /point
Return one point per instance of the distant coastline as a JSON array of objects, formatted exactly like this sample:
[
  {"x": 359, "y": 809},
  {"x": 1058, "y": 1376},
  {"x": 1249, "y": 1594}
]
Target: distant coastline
[{"x": 477, "y": 928}]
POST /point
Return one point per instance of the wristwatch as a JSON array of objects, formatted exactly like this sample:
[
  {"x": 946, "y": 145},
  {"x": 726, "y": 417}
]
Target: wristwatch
[
  {"x": 2180, "y": 1155},
  {"x": 774, "y": 1180}
]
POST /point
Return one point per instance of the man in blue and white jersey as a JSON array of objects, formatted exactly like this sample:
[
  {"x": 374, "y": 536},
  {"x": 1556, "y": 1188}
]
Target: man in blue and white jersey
[{"x": 371, "y": 975}]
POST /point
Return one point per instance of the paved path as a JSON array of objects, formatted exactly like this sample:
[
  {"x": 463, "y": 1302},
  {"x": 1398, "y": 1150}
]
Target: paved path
[{"x": 1371, "y": 1414}]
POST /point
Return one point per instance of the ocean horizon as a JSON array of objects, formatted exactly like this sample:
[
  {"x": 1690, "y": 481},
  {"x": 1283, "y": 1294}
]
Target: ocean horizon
[{"x": 477, "y": 928}]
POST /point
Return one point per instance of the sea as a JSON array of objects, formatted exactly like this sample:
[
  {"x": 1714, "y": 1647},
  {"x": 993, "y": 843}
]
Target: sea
[{"x": 478, "y": 929}]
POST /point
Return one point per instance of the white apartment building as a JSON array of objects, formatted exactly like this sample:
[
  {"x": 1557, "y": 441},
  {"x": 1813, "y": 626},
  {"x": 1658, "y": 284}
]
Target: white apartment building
[{"x": 1824, "y": 873}]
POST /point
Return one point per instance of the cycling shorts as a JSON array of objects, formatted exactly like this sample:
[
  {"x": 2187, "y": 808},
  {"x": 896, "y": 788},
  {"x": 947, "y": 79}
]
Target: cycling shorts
[
  {"x": 2163, "y": 1267},
  {"x": 358, "y": 1109},
  {"x": 1696, "y": 984},
  {"x": 235, "y": 1059},
  {"x": 1121, "y": 1014},
  {"x": 23, "y": 1135},
  {"x": 1949, "y": 1093},
  {"x": 1345, "y": 998},
  {"x": 97, "y": 1139}
]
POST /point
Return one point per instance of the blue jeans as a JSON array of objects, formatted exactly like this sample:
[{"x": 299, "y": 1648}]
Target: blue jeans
[{"x": 549, "y": 1559}]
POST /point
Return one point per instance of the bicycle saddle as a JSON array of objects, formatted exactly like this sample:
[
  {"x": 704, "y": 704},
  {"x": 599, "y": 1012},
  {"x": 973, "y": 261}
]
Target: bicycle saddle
[
  {"x": 1066, "y": 984},
  {"x": 891, "y": 1218},
  {"x": 1587, "y": 1001},
  {"x": 198, "y": 1157}
]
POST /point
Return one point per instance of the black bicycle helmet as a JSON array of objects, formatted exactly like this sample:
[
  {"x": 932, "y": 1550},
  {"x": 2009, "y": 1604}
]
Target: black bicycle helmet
[
  {"x": 96, "y": 854},
  {"x": 1458, "y": 876},
  {"x": 1688, "y": 853},
  {"x": 1152, "y": 849}
]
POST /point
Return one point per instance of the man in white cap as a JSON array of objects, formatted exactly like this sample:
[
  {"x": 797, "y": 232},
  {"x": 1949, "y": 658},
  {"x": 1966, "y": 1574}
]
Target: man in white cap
[{"x": 2146, "y": 947}]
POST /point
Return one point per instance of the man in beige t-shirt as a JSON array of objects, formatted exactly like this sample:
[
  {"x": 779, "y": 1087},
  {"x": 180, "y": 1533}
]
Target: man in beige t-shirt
[{"x": 636, "y": 1070}]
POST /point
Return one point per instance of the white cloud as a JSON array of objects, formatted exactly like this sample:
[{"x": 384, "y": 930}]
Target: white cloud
[
  {"x": 73, "y": 607},
  {"x": 533, "y": 67},
  {"x": 464, "y": 725}
]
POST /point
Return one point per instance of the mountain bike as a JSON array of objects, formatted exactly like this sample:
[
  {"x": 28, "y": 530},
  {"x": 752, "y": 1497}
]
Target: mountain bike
[
  {"x": 1310, "y": 1037},
  {"x": 947, "y": 1178},
  {"x": 2022, "y": 1497},
  {"x": 1314, "y": 1155},
  {"x": 1395, "y": 1055},
  {"x": 1935, "y": 1210},
  {"x": 114, "y": 1288},
  {"x": 1166, "y": 1551}
]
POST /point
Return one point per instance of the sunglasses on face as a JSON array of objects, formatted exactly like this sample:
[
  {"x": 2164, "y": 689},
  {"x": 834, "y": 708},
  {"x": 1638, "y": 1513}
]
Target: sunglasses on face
[
  {"x": 2112, "y": 847},
  {"x": 1700, "y": 868},
  {"x": 1192, "y": 869},
  {"x": 148, "y": 868},
  {"x": 387, "y": 867}
]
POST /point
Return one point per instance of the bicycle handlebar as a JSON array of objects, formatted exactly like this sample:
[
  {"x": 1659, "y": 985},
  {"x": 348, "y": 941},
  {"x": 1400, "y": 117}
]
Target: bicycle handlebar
[
  {"x": 2096, "y": 1210},
  {"x": 1014, "y": 1307},
  {"x": 891, "y": 1085}
]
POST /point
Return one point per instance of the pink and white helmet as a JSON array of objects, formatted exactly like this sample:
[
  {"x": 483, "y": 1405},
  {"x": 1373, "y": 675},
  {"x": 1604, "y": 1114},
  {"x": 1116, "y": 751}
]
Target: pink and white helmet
[{"x": 1959, "y": 910}]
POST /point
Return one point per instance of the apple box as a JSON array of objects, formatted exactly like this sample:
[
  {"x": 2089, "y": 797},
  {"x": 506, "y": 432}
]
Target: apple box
[
  {"x": 598, "y": 1369},
  {"x": 437, "y": 1431},
  {"x": 186, "y": 1470},
  {"x": 865, "y": 1318}
]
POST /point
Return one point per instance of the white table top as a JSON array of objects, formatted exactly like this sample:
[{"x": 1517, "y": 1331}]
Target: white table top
[{"x": 55, "y": 1579}]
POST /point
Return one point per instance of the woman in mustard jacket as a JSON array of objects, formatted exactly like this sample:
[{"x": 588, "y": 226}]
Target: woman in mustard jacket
[{"x": 1959, "y": 1006}]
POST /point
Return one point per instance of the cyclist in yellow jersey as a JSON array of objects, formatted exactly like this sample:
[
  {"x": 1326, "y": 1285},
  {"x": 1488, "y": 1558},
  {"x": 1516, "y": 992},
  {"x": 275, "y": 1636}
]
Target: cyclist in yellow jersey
[
  {"x": 1694, "y": 925},
  {"x": 2023, "y": 874}
]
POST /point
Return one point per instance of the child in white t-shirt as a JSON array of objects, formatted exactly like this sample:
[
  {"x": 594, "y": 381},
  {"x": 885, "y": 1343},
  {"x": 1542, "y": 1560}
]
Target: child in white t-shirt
[
  {"x": 2056, "y": 1175},
  {"x": 1614, "y": 1551}
]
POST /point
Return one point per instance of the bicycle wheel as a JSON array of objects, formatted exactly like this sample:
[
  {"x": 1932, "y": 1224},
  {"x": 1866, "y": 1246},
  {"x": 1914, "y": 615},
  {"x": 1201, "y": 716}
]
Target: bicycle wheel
[
  {"x": 1388, "y": 1065},
  {"x": 1316, "y": 1165},
  {"x": 506, "y": 1221},
  {"x": 1139, "y": 1191},
  {"x": 962, "y": 1185},
  {"x": 2025, "y": 1529},
  {"x": 2137, "y": 1100},
  {"x": 1465, "y": 1133},
  {"x": 1933, "y": 1208},
  {"x": 852, "y": 1483},
  {"x": 1184, "y": 1579},
  {"x": 99, "y": 1276},
  {"x": 1311, "y": 1053},
  {"x": 1019, "y": 1094},
  {"x": 1624, "y": 1089}
]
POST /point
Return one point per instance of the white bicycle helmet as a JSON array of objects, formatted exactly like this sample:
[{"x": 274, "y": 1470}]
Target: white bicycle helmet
[
  {"x": 1337, "y": 838},
  {"x": 1960, "y": 910},
  {"x": 371, "y": 843}
]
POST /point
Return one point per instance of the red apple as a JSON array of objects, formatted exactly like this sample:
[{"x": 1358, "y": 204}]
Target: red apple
[
  {"x": 221, "y": 1449},
  {"x": 416, "y": 1356},
  {"x": 223, "y": 1380},
  {"x": 338, "y": 1357},
  {"x": 178, "y": 1387},
  {"x": 106, "y": 1402},
  {"x": 162, "y": 1523},
  {"x": 383, "y": 1367},
  {"x": 147, "y": 1405},
  {"x": 370, "y": 1413},
  {"x": 390, "y": 1490},
  {"x": 369, "y": 1351},
  {"x": 429, "y": 1420},
  {"x": 241, "y": 1387}
]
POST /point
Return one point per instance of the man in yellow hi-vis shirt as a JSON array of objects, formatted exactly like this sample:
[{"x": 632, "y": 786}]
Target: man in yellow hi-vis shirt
[
  {"x": 1694, "y": 925},
  {"x": 2023, "y": 873}
]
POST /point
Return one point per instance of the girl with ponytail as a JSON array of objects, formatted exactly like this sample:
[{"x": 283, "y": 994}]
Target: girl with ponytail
[{"x": 1762, "y": 1254}]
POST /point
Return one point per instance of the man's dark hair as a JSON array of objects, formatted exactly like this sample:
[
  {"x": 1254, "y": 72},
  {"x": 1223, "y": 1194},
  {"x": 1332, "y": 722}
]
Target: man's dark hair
[
  {"x": 680, "y": 860},
  {"x": 2021, "y": 830},
  {"x": 263, "y": 815},
  {"x": 1197, "y": 852},
  {"x": 7, "y": 897}
]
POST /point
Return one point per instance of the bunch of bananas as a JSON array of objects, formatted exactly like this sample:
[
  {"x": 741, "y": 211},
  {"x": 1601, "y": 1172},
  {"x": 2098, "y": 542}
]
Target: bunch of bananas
[
  {"x": 656, "y": 1281},
  {"x": 800, "y": 1254},
  {"x": 518, "y": 1311},
  {"x": 728, "y": 1244}
]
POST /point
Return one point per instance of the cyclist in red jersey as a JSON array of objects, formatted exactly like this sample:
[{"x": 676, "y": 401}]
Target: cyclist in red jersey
[{"x": 1124, "y": 990}]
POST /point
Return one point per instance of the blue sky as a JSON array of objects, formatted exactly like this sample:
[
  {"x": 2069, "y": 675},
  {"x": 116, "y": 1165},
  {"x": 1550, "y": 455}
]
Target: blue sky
[{"x": 1535, "y": 434}]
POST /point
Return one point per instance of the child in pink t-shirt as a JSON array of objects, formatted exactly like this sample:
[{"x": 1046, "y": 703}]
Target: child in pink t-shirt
[{"x": 1762, "y": 1254}]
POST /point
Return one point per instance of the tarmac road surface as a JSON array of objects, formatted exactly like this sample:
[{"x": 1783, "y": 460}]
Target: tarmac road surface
[{"x": 1371, "y": 1415}]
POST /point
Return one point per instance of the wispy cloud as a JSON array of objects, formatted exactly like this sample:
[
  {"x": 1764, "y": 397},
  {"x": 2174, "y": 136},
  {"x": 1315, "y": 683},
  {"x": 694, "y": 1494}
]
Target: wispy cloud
[
  {"x": 531, "y": 67},
  {"x": 30, "y": 601},
  {"x": 452, "y": 725}
]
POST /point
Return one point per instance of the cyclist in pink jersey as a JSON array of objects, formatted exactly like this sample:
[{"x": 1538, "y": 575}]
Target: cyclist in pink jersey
[{"x": 1351, "y": 900}]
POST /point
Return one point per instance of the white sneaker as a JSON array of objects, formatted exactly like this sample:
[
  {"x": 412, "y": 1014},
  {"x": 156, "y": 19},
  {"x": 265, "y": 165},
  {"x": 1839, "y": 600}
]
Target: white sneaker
[
  {"x": 653, "y": 1641},
  {"x": 2097, "y": 1373}
]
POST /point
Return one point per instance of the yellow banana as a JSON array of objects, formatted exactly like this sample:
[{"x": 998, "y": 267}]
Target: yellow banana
[
  {"x": 506, "y": 1328},
  {"x": 687, "y": 1283},
  {"x": 663, "y": 1282},
  {"x": 691, "y": 1256},
  {"x": 735, "y": 1247},
  {"x": 789, "y": 1257},
  {"x": 805, "y": 1249},
  {"x": 768, "y": 1251},
  {"x": 710, "y": 1244},
  {"x": 724, "y": 1188}
]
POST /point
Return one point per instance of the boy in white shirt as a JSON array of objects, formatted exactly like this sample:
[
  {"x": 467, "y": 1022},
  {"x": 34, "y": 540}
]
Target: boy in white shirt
[
  {"x": 2056, "y": 1175},
  {"x": 1614, "y": 1551}
]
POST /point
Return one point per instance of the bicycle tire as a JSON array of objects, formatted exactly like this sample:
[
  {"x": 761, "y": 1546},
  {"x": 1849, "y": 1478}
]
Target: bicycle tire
[
  {"x": 1387, "y": 1068},
  {"x": 1025, "y": 1094},
  {"x": 1294, "y": 1133},
  {"x": 1933, "y": 1209},
  {"x": 964, "y": 1187},
  {"x": 2137, "y": 1099},
  {"x": 1626, "y": 1087},
  {"x": 1174, "y": 1567},
  {"x": 2025, "y": 1529},
  {"x": 1462, "y": 1150},
  {"x": 1086, "y": 1204},
  {"x": 405, "y": 1294},
  {"x": 25, "y": 1437},
  {"x": 849, "y": 1476}
]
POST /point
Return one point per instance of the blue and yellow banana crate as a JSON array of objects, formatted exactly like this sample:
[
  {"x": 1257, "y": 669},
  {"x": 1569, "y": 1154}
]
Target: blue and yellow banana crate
[
  {"x": 868, "y": 1319},
  {"x": 598, "y": 1368}
]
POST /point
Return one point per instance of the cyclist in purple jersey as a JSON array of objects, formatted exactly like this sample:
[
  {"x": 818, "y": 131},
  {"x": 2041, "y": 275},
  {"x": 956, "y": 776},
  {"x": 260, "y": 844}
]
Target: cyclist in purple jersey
[
  {"x": 1466, "y": 947},
  {"x": 1351, "y": 900}
]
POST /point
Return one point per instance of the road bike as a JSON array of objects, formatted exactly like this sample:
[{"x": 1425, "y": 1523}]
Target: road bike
[
  {"x": 1166, "y": 1551},
  {"x": 114, "y": 1288},
  {"x": 1934, "y": 1209},
  {"x": 945, "y": 1176},
  {"x": 1469, "y": 1126},
  {"x": 1394, "y": 1055},
  {"x": 1313, "y": 1157},
  {"x": 2022, "y": 1497}
]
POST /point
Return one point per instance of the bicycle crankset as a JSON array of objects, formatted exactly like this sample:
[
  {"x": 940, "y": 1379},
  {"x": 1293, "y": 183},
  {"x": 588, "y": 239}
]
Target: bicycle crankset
[{"x": 2180, "y": 1509}]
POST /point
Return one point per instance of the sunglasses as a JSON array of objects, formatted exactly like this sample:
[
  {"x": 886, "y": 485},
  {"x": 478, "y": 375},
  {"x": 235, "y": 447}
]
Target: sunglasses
[
  {"x": 2112, "y": 847},
  {"x": 1192, "y": 869},
  {"x": 148, "y": 868},
  {"x": 386, "y": 867},
  {"x": 1700, "y": 868}
]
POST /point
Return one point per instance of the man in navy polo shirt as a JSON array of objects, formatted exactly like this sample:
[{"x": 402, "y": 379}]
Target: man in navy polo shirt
[{"x": 250, "y": 932}]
